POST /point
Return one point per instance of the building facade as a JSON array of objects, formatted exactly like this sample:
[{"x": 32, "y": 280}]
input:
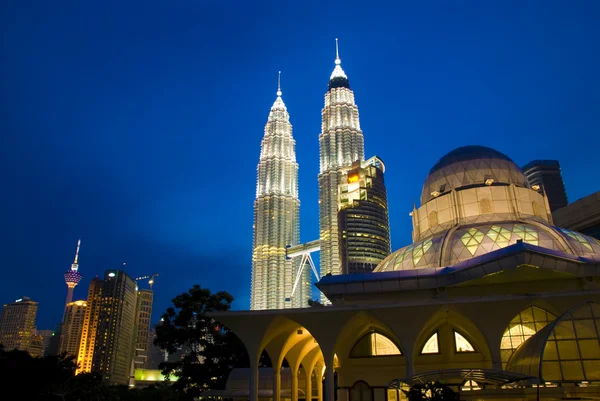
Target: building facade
[
  {"x": 583, "y": 215},
  {"x": 276, "y": 217},
  {"x": 115, "y": 330},
  {"x": 72, "y": 327},
  {"x": 364, "y": 226},
  {"x": 491, "y": 299},
  {"x": 341, "y": 143},
  {"x": 17, "y": 324},
  {"x": 46, "y": 336},
  {"x": 90, "y": 326},
  {"x": 547, "y": 175},
  {"x": 143, "y": 317}
]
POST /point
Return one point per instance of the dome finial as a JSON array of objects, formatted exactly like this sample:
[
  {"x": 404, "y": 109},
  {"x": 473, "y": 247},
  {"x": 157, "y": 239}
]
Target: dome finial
[
  {"x": 279, "y": 93},
  {"x": 337, "y": 53}
]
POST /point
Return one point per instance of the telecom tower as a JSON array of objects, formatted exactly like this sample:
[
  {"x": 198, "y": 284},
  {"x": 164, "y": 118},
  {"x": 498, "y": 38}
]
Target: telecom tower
[{"x": 72, "y": 276}]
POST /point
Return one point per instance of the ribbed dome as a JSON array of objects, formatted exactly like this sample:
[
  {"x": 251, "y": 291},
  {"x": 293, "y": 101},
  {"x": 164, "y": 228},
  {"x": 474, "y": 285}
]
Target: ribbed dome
[{"x": 471, "y": 166}]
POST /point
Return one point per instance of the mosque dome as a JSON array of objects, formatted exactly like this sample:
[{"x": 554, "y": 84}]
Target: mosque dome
[
  {"x": 470, "y": 166},
  {"x": 468, "y": 218}
]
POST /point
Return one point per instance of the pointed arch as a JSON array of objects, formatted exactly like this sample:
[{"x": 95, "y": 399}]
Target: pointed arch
[
  {"x": 462, "y": 344},
  {"x": 432, "y": 345},
  {"x": 523, "y": 326},
  {"x": 374, "y": 344}
]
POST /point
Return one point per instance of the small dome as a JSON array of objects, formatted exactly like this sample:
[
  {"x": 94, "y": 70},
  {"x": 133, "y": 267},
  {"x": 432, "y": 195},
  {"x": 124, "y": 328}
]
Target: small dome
[{"x": 471, "y": 166}]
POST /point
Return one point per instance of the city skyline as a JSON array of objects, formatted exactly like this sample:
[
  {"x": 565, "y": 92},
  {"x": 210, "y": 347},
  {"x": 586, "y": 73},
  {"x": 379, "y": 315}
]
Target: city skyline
[{"x": 111, "y": 132}]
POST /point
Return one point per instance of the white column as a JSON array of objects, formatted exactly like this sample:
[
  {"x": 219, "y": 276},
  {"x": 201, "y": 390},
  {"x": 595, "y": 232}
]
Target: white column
[
  {"x": 253, "y": 379},
  {"x": 308, "y": 396},
  {"x": 329, "y": 382},
  {"x": 294, "y": 384},
  {"x": 277, "y": 384}
]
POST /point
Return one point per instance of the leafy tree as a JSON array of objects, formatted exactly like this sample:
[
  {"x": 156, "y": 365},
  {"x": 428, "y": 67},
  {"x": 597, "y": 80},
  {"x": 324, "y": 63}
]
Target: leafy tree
[
  {"x": 434, "y": 391},
  {"x": 210, "y": 350}
]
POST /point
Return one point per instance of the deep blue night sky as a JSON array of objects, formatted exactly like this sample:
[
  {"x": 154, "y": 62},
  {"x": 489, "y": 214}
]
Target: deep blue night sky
[{"x": 137, "y": 127}]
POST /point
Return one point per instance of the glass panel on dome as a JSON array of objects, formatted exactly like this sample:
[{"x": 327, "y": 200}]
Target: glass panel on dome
[
  {"x": 420, "y": 250},
  {"x": 471, "y": 239},
  {"x": 461, "y": 344},
  {"x": 432, "y": 345},
  {"x": 528, "y": 322}
]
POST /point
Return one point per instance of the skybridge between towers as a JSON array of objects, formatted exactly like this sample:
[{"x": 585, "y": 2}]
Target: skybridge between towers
[{"x": 304, "y": 251}]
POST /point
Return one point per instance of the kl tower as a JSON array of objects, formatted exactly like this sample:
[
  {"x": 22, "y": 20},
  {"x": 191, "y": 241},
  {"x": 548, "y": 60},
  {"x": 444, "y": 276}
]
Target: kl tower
[{"x": 72, "y": 276}]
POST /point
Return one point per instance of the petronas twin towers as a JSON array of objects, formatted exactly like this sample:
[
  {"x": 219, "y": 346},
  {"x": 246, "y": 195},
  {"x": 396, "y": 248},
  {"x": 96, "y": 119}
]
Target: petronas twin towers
[{"x": 276, "y": 208}]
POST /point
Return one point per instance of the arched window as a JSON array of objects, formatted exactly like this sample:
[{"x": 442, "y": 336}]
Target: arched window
[
  {"x": 461, "y": 344},
  {"x": 470, "y": 385},
  {"x": 374, "y": 344},
  {"x": 432, "y": 346},
  {"x": 528, "y": 322}
]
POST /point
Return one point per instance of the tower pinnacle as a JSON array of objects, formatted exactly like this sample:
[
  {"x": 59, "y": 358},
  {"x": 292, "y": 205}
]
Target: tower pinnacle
[
  {"x": 279, "y": 85},
  {"x": 77, "y": 253},
  {"x": 72, "y": 276},
  {"x": 337, "y": 71},
  {"x": 338, "y": 61}
]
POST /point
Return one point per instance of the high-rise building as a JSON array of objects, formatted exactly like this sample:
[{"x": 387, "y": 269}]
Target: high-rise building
[
  {"x": 276, "y": 217},
  {"x": 46, "y": 336},
  {"x": 72, "y": 276},
  {"x": 547, "y": 175},
  {"x": 90, "y": 326},
  {"x": 72, "y": 327},
  {"x": 363, "y": 220},
  {"x": 341, "y": 143},
  {"x": 582, "y": 216},
  {"x": 36, "y": 345},
  {"x": 17, "y": 324},
  {"x": 143, "y": 316},
  {"x": 115, "y": 332}
]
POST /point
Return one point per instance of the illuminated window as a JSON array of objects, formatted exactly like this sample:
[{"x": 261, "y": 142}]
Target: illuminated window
[
  {"x": 528, "y": 322},
  {"x": 470, "y": 385},
  {"x": 471, "y": 239},
  {"x": 432, "y": 346},
  {"x": 461, "y": 344},
  {"x": 527, "y": 234},
  {"x": 374, "y": 344},
  {"x": 500, "y": 235}
]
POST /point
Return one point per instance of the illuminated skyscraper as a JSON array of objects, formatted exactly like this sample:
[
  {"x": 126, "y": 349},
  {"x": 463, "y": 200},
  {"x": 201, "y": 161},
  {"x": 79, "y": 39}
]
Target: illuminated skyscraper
[
  {"x": 72, "y": 327},
  {"x": 115, "y": 332},
  {"x": 72, "y": 276},
  {"x": 143, "y": 315},
  {"x": 546, "y": 174},
  {"x": 90, "y": 326},
  {"x": 341, "y": 144},
  {"x": 276, "y": 217},
  {"x": 17, "y": 324},
  {"x": 363, "y": 217}
]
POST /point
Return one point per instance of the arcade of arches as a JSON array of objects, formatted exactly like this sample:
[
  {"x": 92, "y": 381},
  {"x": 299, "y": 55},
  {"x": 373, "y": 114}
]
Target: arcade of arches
[{"x": 354, "y": 355}]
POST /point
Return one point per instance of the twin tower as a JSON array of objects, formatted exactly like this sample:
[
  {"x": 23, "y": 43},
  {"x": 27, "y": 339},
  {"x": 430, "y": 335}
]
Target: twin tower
[{"x": 353, "y": 212}]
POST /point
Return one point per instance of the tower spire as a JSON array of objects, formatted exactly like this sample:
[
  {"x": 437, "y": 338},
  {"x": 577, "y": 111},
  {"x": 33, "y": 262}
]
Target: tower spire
[
  {"x": 337, "y": 71},
  {"x": 338, "y": 61},
  {"x": 279, "y": 85},
  {"x": 77, "y": 252}
]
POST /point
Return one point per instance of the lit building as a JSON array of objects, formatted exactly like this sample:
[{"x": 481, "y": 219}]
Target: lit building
[
  {"x": 72, "y": 327},
  {"x": 36, "y": 345},
  {"x": 17, "y": 324},
  {"x": 341, "y": 144},
  {"x": 72, "y": 276},
  {"x": 115, "y": 332},
  {"x": 46, "y": 336},
  {"x": 547, "y": 176},
  {"x": 276, "y": 217},
  {"x": 363, "y": 220},
  {"x": 583, "y": 215},
  {"x": 90, "y": 326},
  {"x": 490, "y": 299},
  {"x": 143, "y": 316}
]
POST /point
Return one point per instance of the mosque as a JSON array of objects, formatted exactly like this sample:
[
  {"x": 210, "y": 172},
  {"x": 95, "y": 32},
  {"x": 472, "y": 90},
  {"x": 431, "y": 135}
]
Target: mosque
[{"x": 491, "y": 299}]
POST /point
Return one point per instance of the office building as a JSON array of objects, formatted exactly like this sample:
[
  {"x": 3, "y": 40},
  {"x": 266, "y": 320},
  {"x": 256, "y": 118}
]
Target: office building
[
  {"x": 341, "y": 143},
  {"x": 72, "y": 327},
  {"x": 276, "y": 217},
  {"x": 115, "y": 331},
  {"x": 546, "y": 175},
  {"x": 143, "y": 316},
  {"x": 46, "y": 336},
  {"x": 364, "y": 226},
  {"x": 17, "y": 325},
  {"x": 90, "y": 326},
  {"x": 583, "y": 215}
]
